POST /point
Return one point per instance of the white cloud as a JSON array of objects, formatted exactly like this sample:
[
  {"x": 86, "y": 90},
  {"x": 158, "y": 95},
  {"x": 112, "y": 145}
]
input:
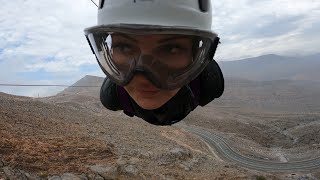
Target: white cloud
[
  {"x": 42, "y": 29},
  {"x": 251, "y": 28},
  {"x": 47, "y": 36}
]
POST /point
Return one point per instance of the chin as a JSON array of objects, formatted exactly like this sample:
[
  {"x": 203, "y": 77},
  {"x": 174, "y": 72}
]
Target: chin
[{"x": 149, "y": 104}]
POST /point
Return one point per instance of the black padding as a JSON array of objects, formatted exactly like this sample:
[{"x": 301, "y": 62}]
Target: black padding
[
  {"x": 212, "y": 83},
  {"x": 109, "y": 96},
  {"x": 101, "y": 3},
  {"x": 204, "y": 5}
]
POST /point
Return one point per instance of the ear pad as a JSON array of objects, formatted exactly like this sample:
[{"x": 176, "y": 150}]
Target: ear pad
[
  {"x": 211, "y": 83},
  {"x": 109, "y": 95}
]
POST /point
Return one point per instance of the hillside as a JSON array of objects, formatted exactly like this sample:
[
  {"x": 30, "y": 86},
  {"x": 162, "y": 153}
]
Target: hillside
[
  {"x": 274, "y": 67},
  {"x": 82, "y": 95},
  {"x": 41, "y": 140},
  {"x": 271, "y": 96},
  {"x": 270, "y": 105},
  {"x": 71, "y": 135},
  {"x": 91, "y": 87}
]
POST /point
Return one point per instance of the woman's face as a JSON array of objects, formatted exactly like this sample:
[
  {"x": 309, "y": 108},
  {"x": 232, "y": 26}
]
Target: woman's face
[{"x": 175, "y": 51}]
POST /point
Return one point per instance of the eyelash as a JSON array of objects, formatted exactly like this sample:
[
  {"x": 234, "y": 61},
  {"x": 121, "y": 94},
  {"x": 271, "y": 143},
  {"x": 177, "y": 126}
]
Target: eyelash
[
  {"x": 165, "y": 47},
  {"x": 120, "y": 44},
  {"x": 173, "y": 46}
]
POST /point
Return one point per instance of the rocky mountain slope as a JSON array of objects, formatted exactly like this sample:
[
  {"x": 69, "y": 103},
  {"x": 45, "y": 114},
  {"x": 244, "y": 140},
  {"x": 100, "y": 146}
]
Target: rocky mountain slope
[
  {"x": 41, "y": 140},
  {"x": 271, "y": 96},
  {"x": 274, "y": 67},
  {"x": 71, "y": 135}
]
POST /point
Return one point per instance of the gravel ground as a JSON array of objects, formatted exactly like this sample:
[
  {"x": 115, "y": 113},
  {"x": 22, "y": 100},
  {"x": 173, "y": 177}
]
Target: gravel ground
[{"x": 54, "y": 140}]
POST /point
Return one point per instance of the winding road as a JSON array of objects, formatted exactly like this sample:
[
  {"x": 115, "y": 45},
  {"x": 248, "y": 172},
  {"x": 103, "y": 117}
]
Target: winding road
[{"x": 228, "y": 153}]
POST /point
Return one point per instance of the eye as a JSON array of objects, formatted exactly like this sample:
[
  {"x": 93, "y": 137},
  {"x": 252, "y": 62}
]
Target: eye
[
  {"x": 123, "y": 48},
  {"x": 172, "y": 48}
]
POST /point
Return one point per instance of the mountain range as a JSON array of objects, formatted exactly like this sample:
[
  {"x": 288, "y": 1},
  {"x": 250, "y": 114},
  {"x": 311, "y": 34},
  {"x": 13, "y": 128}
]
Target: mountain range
[
  {"x": 263, "y": 115},
  {"x": 265, "y": 83},
  {"x": 274, "y": 67}
]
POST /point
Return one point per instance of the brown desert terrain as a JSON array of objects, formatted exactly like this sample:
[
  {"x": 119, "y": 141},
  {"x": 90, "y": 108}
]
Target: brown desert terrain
[{"x": 72, "y": 136}]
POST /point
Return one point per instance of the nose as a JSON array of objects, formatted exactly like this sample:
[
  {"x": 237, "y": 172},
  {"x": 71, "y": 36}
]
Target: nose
[
  {"x": 145, "y": 59},
  {"x": 141, "y": 81}
]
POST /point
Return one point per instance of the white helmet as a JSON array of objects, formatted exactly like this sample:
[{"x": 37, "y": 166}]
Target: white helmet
[
  {"x": 144, "y": 17},
  {"x": 195, "y": 14}
]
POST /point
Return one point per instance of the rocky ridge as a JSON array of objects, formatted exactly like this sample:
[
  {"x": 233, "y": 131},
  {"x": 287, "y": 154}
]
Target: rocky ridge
[
  {"x": 46, "y": 141},
  {"x": 71, "y": 136}
]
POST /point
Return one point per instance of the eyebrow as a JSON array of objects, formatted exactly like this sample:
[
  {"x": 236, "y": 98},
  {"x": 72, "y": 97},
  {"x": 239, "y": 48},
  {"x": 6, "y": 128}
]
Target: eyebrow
[
  {"x": 127, "y": 37},
  {"x": 175, "y": 37},
  {"x": 172, "y": 38}
]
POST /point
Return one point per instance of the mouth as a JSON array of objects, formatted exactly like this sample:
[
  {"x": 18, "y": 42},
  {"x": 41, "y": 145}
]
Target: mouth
[{"x": 147, "y": 92}]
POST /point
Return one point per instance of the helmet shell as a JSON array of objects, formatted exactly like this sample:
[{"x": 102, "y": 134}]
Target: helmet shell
[{"x": 194, "y": 14}]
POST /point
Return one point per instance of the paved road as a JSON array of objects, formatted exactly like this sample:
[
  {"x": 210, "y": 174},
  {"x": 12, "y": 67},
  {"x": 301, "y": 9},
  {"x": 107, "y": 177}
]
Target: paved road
[{"x": 226, "y": 152}]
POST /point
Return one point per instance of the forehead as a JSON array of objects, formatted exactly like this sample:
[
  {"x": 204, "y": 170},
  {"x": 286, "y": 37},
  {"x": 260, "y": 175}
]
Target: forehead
[{"x": 151, "y": 38}]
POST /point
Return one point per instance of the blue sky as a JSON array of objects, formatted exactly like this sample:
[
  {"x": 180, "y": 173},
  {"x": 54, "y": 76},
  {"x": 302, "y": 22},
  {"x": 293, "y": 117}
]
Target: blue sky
[{"x": 42, "y": 42}]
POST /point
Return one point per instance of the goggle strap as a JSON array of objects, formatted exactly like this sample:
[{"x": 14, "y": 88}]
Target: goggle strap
[
  {"x": 90, "y": 45},
  {"x": 213, "y": 48}
]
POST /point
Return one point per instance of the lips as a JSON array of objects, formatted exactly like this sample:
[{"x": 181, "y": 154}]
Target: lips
[
  {"x": 147, "y": 92},
  {"x": 147, "y": 88}
]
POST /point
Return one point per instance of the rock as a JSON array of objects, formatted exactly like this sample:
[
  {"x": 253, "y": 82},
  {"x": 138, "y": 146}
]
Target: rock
[
  {"x": 146, "y": 154},
  {"x": 121, "y": 161},
  {"x": 98, "y": 177},
  {"x": 130, "y": 170},
  {"x": 301, "y": 177},
  {"x": 186, "y": 167},
  {"x": 107, "y": 172},
  {"x": 55, "y": 178},
  {"x": 134, "y": 152},
  {"x": 69, "y": 176},
  {"x": 92, "y": 176},
  {"x": 127, "y": 167},
  {"x": 83, "y": 177},
  {"x": 174, "y": 155},
  {"x": 163, "y": 177},
  {"x": 179, "y": 153},
  {"x": 133, "y": 161},
  {"x": 306, "y": 177},
  {"x": 14, "y": 174},
  {"x": 32, "y": 177},
  {"x": 1, "y": 164}
]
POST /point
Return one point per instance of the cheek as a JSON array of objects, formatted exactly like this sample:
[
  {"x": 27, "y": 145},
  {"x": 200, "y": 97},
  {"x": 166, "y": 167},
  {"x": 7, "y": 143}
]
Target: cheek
[
  {"x": 162, "y": 95},
  {"x": 171, "y": 93}
]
